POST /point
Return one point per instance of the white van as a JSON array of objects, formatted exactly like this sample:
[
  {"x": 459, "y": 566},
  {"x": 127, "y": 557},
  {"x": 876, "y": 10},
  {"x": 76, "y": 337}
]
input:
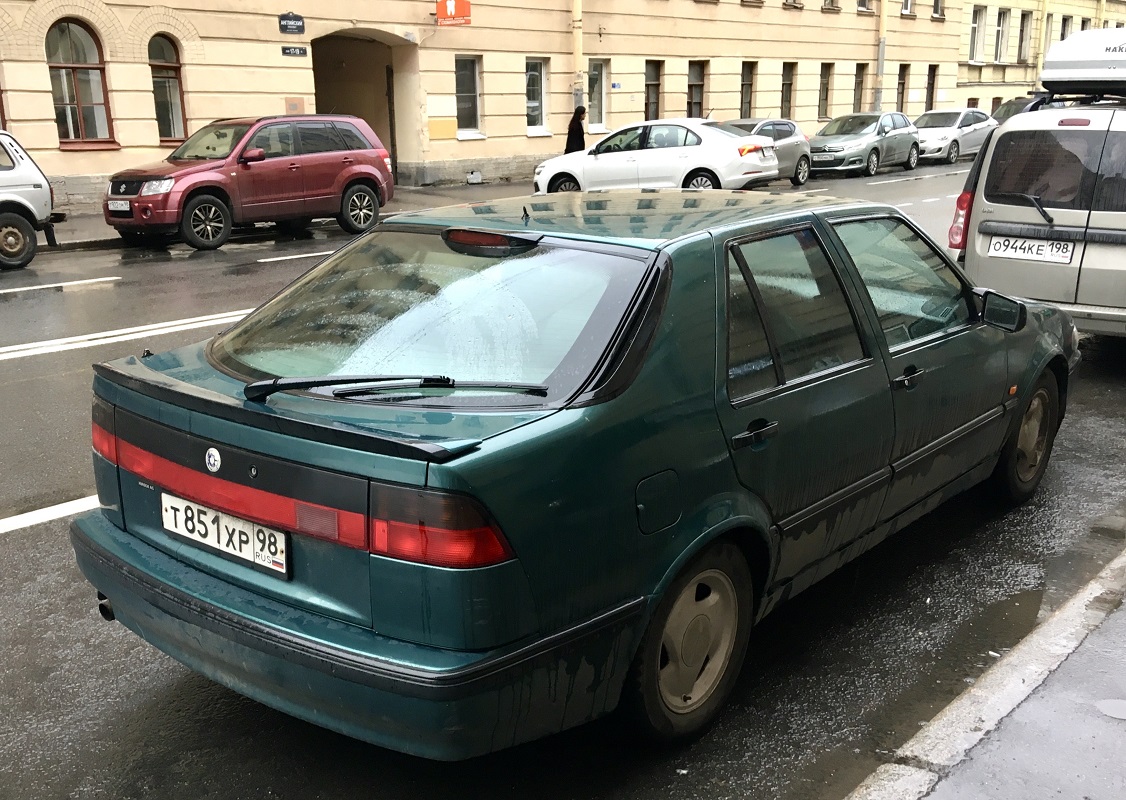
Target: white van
[
  {"x": 25, "y": 204},
  {"x": 1043, "y": 213}
]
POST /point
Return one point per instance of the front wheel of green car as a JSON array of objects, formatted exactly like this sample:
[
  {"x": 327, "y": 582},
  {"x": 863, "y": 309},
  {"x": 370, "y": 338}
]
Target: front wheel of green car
[
  {"x": 692, "y": 651},
  {"x": 1025, "y": 454}
]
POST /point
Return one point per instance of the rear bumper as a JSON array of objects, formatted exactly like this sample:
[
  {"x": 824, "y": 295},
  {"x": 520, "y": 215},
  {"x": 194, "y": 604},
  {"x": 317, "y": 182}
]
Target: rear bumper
[
  {"x": 1104, "y": 320},
  {"x": 429, "y": 702},
  {"x": 746, "y": 178}
]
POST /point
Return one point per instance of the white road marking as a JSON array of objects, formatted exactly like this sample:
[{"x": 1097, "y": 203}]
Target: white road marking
[
  {"x": 63, "y": 285},
  {"x": 918, "y": 177},
  {"x": 904, "y": 205},
  {"x": 290, "y": 258},
  {"x": 953, "y": 196},
  {"x": 121, "y": 335},
  {"x": 811, "y": 191},
  {"x": 39, "y": 516},
  {"x": 933, "y": 199}
]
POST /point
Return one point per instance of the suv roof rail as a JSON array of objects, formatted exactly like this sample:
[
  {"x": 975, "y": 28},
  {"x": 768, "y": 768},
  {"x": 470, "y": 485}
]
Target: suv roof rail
[{"x": 285, "y": 116}]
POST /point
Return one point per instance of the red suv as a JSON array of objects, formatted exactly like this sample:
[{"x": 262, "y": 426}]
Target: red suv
[{"x": 288, "y": 170}]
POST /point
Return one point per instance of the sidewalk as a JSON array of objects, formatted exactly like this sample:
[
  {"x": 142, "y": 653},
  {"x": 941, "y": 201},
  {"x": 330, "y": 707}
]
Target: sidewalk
[
  {"x": 1046, "y": 721},
  {"x": 88, "y": 229}
]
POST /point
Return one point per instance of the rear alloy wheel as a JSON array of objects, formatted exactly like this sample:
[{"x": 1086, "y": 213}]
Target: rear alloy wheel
[
  {"x": 359, "y": 209},
  {"x": 872, "y": 164},
  {"x": 691, "y": 654},
  {"x": 206, "y": 224},
  {"x": 701, "y": 179},
  {"x": 801, "y": 172},
  {"x": 564, "y": 183},
  {"x": 1024, "y": 457},
  {"x": 953, "y": 153},
  {"x": 912, "y": 158},
  {"x": 17, "y": 241}
]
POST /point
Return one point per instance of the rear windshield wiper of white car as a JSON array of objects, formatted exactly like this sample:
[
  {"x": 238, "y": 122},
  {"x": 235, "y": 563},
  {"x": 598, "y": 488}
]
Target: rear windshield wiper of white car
[
  {"x": 260, "y": 390},
  {"x": 1033, "y": 200}
]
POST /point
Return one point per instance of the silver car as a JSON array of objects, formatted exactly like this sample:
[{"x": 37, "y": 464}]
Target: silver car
[
  {"x": 948, "y": 135},
  {"x": 790, "y": 145},
  {"x": 25, "y": 204},
  {"x": 864, "y": 143}
]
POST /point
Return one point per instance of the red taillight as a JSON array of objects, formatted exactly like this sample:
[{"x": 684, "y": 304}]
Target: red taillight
[
  {"x": 1074, "y": 122},
  {"x": 960, "y": 225},
  {"x": 747, "y": 149},
  {"x": 386, "y": 158},
  {"x": 105, "y": 443},
  {"x": 441, "y": 530}
]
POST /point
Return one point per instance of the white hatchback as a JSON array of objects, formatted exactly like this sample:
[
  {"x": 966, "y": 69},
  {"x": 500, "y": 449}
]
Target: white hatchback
[{"x": 664, "y": 153}]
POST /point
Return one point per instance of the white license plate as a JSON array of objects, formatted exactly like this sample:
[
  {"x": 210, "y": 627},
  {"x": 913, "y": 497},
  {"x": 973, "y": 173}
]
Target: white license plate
[
  {"x": 118, "y": 205},
  {"x": 822, "y": 157},
  {"x": 1031, "y": 249},
  {"x": 249, "y": 541}
]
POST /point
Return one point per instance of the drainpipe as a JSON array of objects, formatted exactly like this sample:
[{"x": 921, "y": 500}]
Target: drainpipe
[
  {"x": 1044, "y": 34},
  {"x": 577, "y": 50},
  {"x": 1101, "y": 14},
  {"x": 881, "y": 51}
]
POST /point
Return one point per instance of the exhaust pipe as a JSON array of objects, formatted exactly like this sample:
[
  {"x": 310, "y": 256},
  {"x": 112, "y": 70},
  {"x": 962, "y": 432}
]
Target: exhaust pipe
[{"x": 105, "y": 608}]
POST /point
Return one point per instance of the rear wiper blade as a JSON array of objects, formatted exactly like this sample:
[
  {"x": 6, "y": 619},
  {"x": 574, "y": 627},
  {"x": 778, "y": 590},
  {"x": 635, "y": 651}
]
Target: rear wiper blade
[
  {"x": 260, "y": 390},
  {"x": 1033, "y": 200},
  {"x": 537, "y": 389}
]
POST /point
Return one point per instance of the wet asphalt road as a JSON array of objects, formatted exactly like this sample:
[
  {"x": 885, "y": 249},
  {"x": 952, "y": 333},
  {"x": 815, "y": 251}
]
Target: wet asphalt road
[{"x": 834, "y": 680}]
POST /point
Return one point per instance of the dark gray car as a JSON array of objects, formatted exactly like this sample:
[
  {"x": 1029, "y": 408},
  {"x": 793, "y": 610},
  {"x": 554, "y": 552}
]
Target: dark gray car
[
  {"x": 790, "y": 145},
  {"x": 865, "y": 142}
]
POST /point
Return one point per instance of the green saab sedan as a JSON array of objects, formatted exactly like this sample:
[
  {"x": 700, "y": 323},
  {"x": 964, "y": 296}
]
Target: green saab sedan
[{"x": 491, "y": 471}]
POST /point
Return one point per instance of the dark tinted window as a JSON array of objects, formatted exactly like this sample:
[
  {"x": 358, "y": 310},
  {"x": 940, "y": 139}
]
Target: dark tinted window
[
  {"x": 352, "y": 136},
  {"x": 1111, "y": 192},
  {"x": 1057, "y": 165},
  {"x": 276, "y": 140},
  {"x": 5, "y": 159},
  {"x": 629, "y": 139},
  {"x": 750, "y": 367},
  {"x": 318, "y": 137},
  {"x": 783, "y": 130},
  {"x": 670, "y": 136},
  {"x": 805, "y": 306},
  {"x": 913, "y": 290},
  {"x": 979, "y": 117}
]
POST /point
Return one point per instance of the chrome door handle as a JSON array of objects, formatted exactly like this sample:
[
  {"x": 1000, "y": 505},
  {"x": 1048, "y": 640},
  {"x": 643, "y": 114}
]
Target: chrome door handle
[
  {"x": 756, "y": 434},
  {"x": 908, "y": 379},
  {"x": 294, "y": 167}
]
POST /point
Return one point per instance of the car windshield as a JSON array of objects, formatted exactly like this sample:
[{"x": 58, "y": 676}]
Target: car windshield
[
  {"x": 214, "y": 141},
  {"x": 856, "y": 123},
  {"x": 938, "y": 119},
  {"x": 406, "y": 303},
  {"x": 730, "y": 129},
  {"x": 1010, "y": 108}
]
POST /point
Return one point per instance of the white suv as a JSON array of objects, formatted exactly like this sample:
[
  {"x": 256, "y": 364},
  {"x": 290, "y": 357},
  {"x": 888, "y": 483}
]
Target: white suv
[{"x": 25, "y": 204}]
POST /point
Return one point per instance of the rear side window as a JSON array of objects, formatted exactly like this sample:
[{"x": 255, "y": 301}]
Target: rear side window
[
  {"x": 318, "y": 137},
  {"x": 353, "y": 139},
  {"x": 1110, "y": 193},
  {"x": 750, "y": 366},
  {"x": 1058, "y": 166},
  {"x": 806, "y": 309},
  {"x": 6, "y": 161},
  {"x": 398, "y": 303}
]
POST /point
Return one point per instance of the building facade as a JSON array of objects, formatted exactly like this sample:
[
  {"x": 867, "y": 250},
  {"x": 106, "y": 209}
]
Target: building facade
[{"x": 90, "y": 87}]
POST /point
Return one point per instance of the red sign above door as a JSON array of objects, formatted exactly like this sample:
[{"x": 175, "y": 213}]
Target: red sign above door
[{"x": 453, "y": 12}]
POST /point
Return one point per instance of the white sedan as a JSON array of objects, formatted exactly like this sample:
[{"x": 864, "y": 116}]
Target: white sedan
[{"x": 664, "y": 153}]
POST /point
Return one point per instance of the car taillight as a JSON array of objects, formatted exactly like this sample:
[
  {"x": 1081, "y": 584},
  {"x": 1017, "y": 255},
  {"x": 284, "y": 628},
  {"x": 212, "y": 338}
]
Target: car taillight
[
  {"x": 434, "y": 528},
  {"x": 747, "y": 149},
  {"x": 386, "y": 158},
  {"x": 105, "y": 443},
  {"x": 960, "y": 225}
]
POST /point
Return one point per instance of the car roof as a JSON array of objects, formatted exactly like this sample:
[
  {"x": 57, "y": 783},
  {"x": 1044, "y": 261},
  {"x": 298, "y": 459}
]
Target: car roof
[
  {"x": 752, "y": 121},
  {"x": 295, "y": 117},
  {"x": 645, "y": 218}
]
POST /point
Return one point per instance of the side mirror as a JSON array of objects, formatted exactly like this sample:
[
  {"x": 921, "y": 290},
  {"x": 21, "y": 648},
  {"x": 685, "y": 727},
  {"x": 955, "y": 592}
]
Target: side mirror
[
  {"x": 592, "y": 151},
  {"x": 252, "y": 155},
  {"x": 884, "y": 130},
  {"x": 1004, "y": 312}
]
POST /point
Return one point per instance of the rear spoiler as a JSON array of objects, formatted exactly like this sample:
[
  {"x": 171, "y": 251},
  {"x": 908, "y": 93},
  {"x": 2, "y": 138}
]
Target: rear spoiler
[{"x": 132, "y": 375}]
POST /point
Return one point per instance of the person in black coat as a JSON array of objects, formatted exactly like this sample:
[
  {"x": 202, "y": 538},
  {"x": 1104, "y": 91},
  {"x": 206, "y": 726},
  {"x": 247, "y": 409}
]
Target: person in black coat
[{"x": 576, "y": 139}]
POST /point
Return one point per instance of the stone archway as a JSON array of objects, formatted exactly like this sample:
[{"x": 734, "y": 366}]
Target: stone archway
[{"x": 371, "y": 74}]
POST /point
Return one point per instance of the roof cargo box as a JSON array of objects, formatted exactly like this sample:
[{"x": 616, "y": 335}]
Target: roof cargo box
[{"x": 1087, "y": 62}]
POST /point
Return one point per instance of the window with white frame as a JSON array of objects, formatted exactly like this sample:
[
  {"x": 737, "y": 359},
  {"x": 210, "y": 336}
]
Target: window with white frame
[
  {"x": 1001, "y": 40},
  {"x": 535, "y": 82},
  {"x": 863, "y": 5},
  {"x": 908, "y": 7},
  {"x": 697, "y": 70},
  {"x": 747, "y": 89},
  {"x": 937, "y": 10},
  {"x": 1025, "y": 43},
  {"x": 467, "y": 86},
  {"x": 597, "y": 75},
  {"x": 977, "y": 32}
]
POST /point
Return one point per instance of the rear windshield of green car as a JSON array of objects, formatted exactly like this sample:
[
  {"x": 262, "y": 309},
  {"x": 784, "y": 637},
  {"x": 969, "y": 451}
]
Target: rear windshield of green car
[{"x": 405, "y": 303}]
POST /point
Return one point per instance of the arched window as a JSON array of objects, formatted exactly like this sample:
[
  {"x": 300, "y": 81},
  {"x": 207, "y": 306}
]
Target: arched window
[
  {"x": 78, "y": 83},
  {"x": 165, "y": 63}
]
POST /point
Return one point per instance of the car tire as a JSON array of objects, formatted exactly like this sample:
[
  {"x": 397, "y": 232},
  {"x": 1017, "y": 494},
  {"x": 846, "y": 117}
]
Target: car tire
[
  {"x": 709, "y": 606},
  {"x": 912, "y": 158},
  {"x": 359, "y": 209},
  {"x": 563, "y": 183},
  {"x": 701, "y": 179},
  {"x": 1025, "y": 454},
  {"x": 17, "y": 241},
  {"x": 801, "y": 172},
  {"x": 871, "y": 164},
  {"x": 953, "y": 153},
  {"x": 206, "y": 222}
]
